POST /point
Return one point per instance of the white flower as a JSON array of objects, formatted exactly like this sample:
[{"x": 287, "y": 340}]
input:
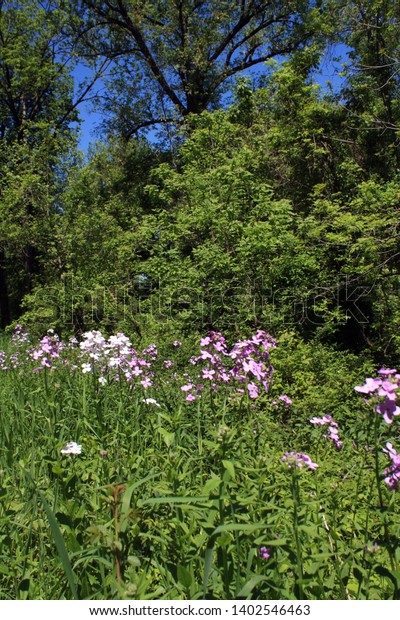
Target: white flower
[
  {"x": 86, "y": 367},
  {"x": 151, "y": 401},
  {"x": 102, "y": 380},
  {"x": 71, "y": 448}
]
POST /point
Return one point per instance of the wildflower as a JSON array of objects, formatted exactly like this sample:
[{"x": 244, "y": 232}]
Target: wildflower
[
  {"x": 388, "y": 409},
  {"x": 285, "y": 399},
  {"x": 392, "y": 473},
  {"x": 186, "y": 388},
  {"x": 208, "y": 374},
  {"x": 371, "y": 385},
  {"x": 326, "y": 419},
  {"x": 387, "y": 371},
  {"x": 253, "y": 390},
  {"x": 71, "y": 448},
  {"x": 86, "y": 367},
  {"x": 102, "y": 380},
  {"x": 190, "y": 398},
  {"x": 333, "y": 434},
  {"x": 264, "y": 553},
  {"x": 151, "y": 401},
  {"x": 176, "y": 343},
  {"x": 146, "y": 382},
  {"x": 297, "y": 459},
  {"x": 168, "y": 363},
  {"x": 333, "y": 429}
]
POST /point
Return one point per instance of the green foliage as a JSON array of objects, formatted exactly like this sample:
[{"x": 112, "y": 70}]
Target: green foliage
[
  {"x": 173, "y": 59},
  {"x": 174, "y": 502},
  {"x": 36, "y": 109}
]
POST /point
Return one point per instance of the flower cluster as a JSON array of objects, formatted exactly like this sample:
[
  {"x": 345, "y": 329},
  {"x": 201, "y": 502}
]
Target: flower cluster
[
  {"x": 247, "y": 365},
  {"x": 392, "y": 473},
  {"x": 297, "y": 459},
  {"x": 48, "y": 351},
  {"x": 384, "y": 391},
  {"x": 3, "y": 361},
  {"x": 116, "y": 357},
  {"x": 20, "y": 340},
  {"x": 384, "y": 386},
  {"x": 20, "y": 337},
  {"x": 333, "y": 429},
  {"x": 71, "y": 448},
  {"x": 264, "y": 553}
]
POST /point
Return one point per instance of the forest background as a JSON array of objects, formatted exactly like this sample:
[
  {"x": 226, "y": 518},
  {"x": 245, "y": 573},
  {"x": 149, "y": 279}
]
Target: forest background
[{"x": 260, "y": 199}]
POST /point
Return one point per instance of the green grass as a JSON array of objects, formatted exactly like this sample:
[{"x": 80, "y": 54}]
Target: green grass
[{"x": 175, "y": 501}]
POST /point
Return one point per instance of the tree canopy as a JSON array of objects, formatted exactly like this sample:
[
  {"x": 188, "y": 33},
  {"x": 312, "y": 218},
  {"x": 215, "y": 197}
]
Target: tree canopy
[{"x": 172, "y": 58}]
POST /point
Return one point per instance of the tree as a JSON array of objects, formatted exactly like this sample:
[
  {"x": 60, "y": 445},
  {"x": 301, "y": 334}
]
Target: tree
[
  {"x": 172, "y": 58},
  {"x": 36, "y": 112},
  {"x": 371, "y": 89}
]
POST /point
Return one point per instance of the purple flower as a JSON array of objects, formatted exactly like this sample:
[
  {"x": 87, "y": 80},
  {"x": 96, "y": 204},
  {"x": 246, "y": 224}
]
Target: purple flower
[
  {"x": 253, "y": 390},
  {"x": 297, "y": 459},
  {"x": 333, "y": 434},
  {"x": 208, "y": 374},
  {"x": 177, "y": 343},
  {"x": 371, "y": 385},
  {"x": 321, "y": 421},
  {"x": 186, "y": 388},
  {"x": 285, "y": 399},
  {"x": 388, "y": 409},
  {"x": 387, "y": 371},
  {"x": 333, "y": 429},
  {"x": 264, "y": 553},
  {"x": 190, "y": 398},
  {"x": 392, "y": 473}
]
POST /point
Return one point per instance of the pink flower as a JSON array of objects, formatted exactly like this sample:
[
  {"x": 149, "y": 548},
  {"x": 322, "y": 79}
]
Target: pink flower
[
  {"x": 186, "y": 388},
  {"x": 146, "y": 382},
  {"x": 190, "y": 398},
  {"x": 297, "y": 459},
  {"x": 388, "y": 409},
  {"x": 285, "y": 399},
  {"x": 370, "y": 386},
  {"x": 264, "y": 553},
  {"x": 387, "y": 371},
  {"x": 392, "y": 473},
  {"x": 253, "y": 390},
  {"x": 321, "y": 421}
]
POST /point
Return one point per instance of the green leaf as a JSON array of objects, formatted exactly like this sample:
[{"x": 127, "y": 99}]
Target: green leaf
[
  {"x": 62, "y": 551},
  {"x": 184, "y": 576},
  {"x": 250, "y": 585},
  {"x": 230, "y": 468},
  {"x": 126, "y": 501}
]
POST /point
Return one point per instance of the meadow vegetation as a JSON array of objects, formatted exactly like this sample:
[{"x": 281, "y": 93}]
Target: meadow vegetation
[{"x": 144, "y": 474}]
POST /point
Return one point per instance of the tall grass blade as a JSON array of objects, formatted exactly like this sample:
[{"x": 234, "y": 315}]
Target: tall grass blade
[{"x": 62, "y": 551}]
